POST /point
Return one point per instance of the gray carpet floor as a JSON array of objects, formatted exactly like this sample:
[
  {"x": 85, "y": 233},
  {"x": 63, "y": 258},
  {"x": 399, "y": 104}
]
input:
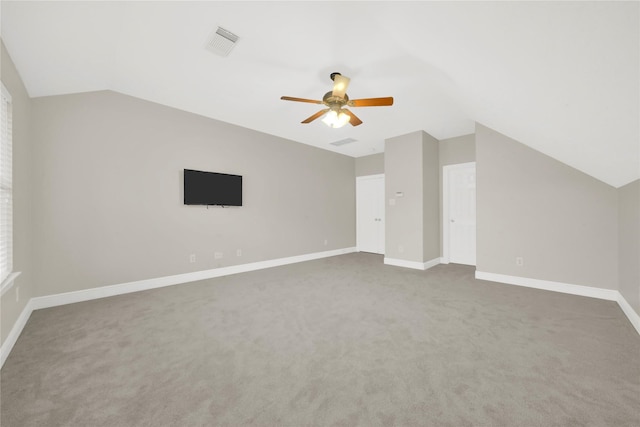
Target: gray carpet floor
[{"x": 341, "y": 341}]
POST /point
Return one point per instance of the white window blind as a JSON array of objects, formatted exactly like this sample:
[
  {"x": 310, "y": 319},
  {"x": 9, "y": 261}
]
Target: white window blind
[{"x": 6, "y": 188}]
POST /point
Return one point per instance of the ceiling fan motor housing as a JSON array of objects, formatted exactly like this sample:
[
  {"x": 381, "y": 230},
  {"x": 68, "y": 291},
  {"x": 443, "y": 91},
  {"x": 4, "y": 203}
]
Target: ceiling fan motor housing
[{"x": 331, "y": 100}]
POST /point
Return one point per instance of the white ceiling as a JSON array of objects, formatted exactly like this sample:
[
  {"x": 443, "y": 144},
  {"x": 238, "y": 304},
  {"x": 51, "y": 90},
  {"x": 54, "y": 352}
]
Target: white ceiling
[{"x": 560, "y": 77}]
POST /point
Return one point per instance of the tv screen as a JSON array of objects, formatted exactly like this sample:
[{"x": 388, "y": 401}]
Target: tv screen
[{"x": 211, "y": 188}]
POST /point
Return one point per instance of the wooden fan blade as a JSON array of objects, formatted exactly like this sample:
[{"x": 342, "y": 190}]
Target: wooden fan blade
[
  {"x": 315, "y": 116},
  {"x": 371, "y": 102},
  {"x": 355, "y": 121},
  {"x": 290, "y": 98},
  {"x": 340, "y": 84}
]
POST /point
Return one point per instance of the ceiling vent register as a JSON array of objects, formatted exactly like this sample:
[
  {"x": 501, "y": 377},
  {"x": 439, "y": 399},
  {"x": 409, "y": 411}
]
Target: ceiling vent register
[
  {"x": 343, "y": 142},
  {"x": 222, "y": 41}
]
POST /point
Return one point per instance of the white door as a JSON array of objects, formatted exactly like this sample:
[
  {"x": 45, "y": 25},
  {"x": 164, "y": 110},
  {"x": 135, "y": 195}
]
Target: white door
[
  {"x": 459, "y": 218},
  {"x": 370, "y": 213}
]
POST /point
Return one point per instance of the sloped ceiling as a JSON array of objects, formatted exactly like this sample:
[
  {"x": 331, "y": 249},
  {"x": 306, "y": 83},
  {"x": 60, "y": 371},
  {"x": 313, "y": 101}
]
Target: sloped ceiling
[{"x": 561, "y": 77}]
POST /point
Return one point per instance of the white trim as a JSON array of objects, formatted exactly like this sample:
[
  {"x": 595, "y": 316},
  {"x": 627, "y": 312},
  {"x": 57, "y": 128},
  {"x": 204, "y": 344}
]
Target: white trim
[
  {"x": 15, "y": 332},
  {"x": 8, "y": 282},
  {"x": 412, "y": 264},
  {"x": 432, "y": 263},
  {"x": 631, "y": 314},
  {"x": 364, "y": 177},
  {"x": 567, "y": 288},
  {"x": 70, "y": 297},
  {"x": 159, "y": 282},
  {"x": 547, "y": 285},
  {"x": 445, "y": 205},
  {"x": 141, "y": 285},
  {"x": 404, "y": 263}
]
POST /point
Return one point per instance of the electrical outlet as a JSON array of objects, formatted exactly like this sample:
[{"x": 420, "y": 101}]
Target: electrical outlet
[
  {"x": 326, "y": 242},
  {"x": 192, "y": 258},
  {"x": 17, "y": 293},
  {"x": 217, "y": 255},
  {"x": 238, "y": 252},
  {"x": 519, "y": 261},
  {"x": 400, "y": 248}
]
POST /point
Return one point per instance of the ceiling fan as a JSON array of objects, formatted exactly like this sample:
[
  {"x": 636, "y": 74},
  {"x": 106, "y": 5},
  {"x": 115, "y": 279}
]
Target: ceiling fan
[{"x": 336, "y": 115}]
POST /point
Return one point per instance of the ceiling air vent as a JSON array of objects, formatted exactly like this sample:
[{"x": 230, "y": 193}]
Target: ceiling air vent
[
  {"x": 343, "y": 142},
  {"x": 221, "y": 42}
]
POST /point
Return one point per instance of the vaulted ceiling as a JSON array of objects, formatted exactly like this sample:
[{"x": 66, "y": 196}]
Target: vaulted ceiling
[{"x": 561, "y": 77}]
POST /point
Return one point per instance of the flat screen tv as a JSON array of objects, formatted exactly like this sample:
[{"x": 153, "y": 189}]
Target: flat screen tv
[{"x": 211, "y": 188}]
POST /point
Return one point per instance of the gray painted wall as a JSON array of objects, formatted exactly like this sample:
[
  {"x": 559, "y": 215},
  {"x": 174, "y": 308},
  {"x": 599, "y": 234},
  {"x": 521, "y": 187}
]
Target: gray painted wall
[
  {"x": 370, "y": 165},
  {"x": 430, "y": 198},
  {"x": 411, "y": 167},
  {"x": 461, "y": 149},
  {"x": 403, "y": 173},
  {"x": 561, "y": 221},
  {"x": 629, "y": 243},
  {"x": 22, "y": 221},
  {"x": 109, "y": 190}
]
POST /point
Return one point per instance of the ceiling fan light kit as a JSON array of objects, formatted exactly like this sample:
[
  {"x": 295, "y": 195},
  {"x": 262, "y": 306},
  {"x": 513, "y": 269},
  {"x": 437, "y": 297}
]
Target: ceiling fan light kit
[
  {"x": 337, "y": 115},
  {"x": 335, "y": 119}
]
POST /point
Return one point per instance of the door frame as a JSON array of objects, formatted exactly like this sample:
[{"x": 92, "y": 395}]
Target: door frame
[
  {"x": 445, "y": 206},
  {"x": 360, "y": 179}
]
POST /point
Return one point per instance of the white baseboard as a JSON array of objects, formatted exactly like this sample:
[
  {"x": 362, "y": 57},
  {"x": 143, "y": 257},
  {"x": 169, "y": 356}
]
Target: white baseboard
[
  {"x": 567, "y": 288},
  {"x": 15, "y": 332},
  {"x": 142, "y": 285},
  {"x": 432, "y": 263},
  {"x": 412, "y": 264},
  {"x": 160, "y": 282},
  {"x": 631, "y": 314}
]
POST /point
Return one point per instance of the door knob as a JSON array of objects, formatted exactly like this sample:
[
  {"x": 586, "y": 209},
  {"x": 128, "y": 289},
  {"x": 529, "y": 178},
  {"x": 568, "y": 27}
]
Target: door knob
[{"x": 453, "y": 220}]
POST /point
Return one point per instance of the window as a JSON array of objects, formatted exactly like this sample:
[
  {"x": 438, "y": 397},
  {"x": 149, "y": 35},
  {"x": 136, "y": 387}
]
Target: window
[{"x": 6, "y": 188}]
